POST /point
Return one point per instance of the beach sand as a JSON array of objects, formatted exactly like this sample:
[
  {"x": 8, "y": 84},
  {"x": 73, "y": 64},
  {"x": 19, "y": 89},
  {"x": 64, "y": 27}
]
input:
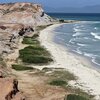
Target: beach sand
[{"x": 88, "y": 78}]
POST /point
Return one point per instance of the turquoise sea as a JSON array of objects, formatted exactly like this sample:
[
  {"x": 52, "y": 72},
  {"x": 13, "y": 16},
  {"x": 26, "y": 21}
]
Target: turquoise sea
[{"x": 83, "y": 37}]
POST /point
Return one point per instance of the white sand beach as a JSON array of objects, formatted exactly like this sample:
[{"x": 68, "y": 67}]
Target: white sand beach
[{"x": 88, "y": 78}]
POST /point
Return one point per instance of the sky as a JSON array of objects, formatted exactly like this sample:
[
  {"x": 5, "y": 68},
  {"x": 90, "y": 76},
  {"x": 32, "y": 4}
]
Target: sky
[{"x": 59, "y": 3}]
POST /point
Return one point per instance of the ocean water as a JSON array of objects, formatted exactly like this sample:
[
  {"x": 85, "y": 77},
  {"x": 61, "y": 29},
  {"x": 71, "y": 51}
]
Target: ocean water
[
  {"x": 83, "y": 37},
  {"x": 76, "y": 16}
]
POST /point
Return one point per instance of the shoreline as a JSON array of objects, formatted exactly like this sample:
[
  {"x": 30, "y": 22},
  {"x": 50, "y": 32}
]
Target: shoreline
[{"x": 88, "y": 78}]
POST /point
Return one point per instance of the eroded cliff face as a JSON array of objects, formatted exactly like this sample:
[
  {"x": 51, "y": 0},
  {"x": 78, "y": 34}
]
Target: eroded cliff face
[
  {"x": 16, "y": 20},
  {"x": 9, "y": 89},
  {"x": 25, "y": 13}
]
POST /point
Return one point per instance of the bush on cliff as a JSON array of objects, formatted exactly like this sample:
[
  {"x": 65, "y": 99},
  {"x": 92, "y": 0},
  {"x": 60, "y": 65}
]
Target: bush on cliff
[
  {"x": 28, "y": 40},
  {"x": 75, "y": 97},
  {"x": 58, "y": 82},
  {"x": 21, "y": 67},
  {"x": 35, "y": 55}
]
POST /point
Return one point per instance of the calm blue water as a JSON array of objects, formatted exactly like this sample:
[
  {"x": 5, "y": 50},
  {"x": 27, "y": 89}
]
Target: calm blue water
[
  {"x": 76, "y": 16},
  {"x": 83, "y": 37}
]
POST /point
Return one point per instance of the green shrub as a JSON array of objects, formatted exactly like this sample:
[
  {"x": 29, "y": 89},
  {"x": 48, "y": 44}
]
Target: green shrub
[
  {"x": 28, "y": 40},
  {"x": 58, "y": 82},
  {"x": 21, "y": 67},
  {"x": 40, "y": 51},
  {"x": 36, "y": 59},
  {"x": 35, "y": 55},
  {"x": 75, "y": 97},
  {"x": 63, "y": 74},
  {"x": 35, "y": 48}
]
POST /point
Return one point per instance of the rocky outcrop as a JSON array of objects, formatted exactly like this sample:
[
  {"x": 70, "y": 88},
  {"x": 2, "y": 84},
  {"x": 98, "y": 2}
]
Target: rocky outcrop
[
  {"x": 25, "y": 13},
  {"x": 19, "y": 19},
  {"x": 9, "y": 89}
]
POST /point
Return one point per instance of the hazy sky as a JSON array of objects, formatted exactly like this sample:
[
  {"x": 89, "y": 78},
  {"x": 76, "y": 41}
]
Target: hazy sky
[{"x": 59, "y": 3}]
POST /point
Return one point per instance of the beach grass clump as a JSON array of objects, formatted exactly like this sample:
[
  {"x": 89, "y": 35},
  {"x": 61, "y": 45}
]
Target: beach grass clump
[
  {"x": 30, "y": 40},
  {"x": 75, "y": 97},
  {"x": 21, "y": 67},
  {"x": 35, "y": 59},
  {"x": 80, "y": 92},
  {"x": 35, "y": 55},
  {"x": 58, "y": 82},
  {"x": 63, "y": 74}
]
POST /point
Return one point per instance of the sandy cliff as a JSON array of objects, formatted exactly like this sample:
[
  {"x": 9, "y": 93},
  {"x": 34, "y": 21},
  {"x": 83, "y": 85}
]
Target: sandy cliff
[
  {"x": 9, "y": 89},
  {"x": 16, "y": 21},
  {"x": 25, "y": 13}
]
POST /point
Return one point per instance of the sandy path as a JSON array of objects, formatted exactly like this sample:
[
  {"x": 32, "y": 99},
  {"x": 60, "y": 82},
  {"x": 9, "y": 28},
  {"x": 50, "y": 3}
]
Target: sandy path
[
  {"x": 11, "y": 58},
  {"x": 89, "y": 79},
  {"x": 33, "y": 87}
]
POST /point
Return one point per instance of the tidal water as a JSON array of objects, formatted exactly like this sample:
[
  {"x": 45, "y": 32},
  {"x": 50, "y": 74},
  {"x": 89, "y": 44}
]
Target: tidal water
[{"x": 82, "y": 37}]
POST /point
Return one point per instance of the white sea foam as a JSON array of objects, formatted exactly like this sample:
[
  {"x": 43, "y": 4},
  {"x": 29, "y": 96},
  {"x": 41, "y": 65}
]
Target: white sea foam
[
  {"x": 95, "y": 35},
  {"x": 86, "y": 38},
  {"x": 76, "y": 29},
  {"x": 76, "y": 25},
  {"x": 95, "y": 28},
  {"x": 88, "y": 55},
  {"x": 72, "y": 41},
  {"x": 93, "y": 57},
  {"x": 80, "y": 44},
  {"x": 78, "y": 51},
  {"x": 77, "y": 34},
  {"x": 59, "y": 38},
  {"x": 94, "y": 61}
]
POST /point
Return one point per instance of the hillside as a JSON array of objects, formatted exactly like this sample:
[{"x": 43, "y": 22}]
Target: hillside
[
  {"x": 28, "y": 70},
  {"x": 16, "y": 20}
]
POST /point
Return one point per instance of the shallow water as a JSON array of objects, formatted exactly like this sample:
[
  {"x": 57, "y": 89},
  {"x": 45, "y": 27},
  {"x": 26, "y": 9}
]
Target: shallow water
[{"x": 82, "y": 38}]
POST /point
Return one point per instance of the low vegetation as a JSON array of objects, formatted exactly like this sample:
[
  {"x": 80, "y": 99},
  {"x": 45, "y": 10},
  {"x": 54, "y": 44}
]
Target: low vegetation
[
  {"x": 63, "y": 74},
  {"x": 58, "y": 76},
  {"x": 37, "y": 54},
  {"x": 61, "y": 77},
  {"x": 21, "y": 67},
  {"x": 31, "y": 40},
  {"x": 75, "y": 97},
  {"x": 28, "y": 40},
  {"x": 58, "y": 82},
  {"x": 79, "y": 91},
  {"x": 34, "y": 53}
]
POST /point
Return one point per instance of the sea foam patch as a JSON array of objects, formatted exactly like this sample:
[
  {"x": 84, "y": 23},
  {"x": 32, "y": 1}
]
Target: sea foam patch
[{"x": 95, "y": 35}]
